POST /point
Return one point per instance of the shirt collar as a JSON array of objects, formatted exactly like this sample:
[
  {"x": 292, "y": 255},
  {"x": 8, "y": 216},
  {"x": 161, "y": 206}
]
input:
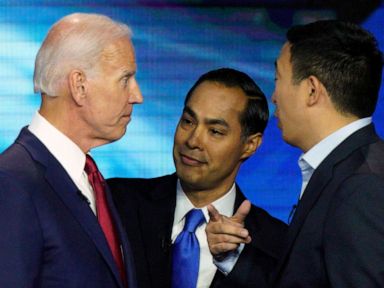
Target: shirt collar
[
  {"x": 69, "y": 155},
  {"x": 321, "y": 150},
  {"x": 224, "y": 204}
]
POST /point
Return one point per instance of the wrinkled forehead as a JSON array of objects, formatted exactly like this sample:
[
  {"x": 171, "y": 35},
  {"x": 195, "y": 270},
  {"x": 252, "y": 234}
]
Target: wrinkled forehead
[
  {"x": 118, "y": 49},
  {"x": 119, "y": 55}
]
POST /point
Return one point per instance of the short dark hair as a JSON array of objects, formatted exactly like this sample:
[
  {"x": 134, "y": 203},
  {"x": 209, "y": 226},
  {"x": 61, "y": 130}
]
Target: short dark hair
[
  {"x": 255, "y": 116},
  {"x": 344, "y": 57}
]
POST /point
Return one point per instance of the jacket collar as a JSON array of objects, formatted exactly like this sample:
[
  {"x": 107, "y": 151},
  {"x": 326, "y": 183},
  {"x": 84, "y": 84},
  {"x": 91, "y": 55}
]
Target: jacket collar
[{"x": 62, "y": 184}]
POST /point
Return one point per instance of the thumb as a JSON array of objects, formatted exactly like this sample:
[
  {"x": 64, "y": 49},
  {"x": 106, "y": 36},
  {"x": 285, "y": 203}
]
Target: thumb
[
  {"x": 242, "y": 212},
  {"x": 214, "y": 215}
]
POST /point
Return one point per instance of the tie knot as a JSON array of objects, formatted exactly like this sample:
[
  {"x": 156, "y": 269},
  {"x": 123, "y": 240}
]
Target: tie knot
[
  {"x": 90, "y": 165},
  {"x": 193, "y": 219}
]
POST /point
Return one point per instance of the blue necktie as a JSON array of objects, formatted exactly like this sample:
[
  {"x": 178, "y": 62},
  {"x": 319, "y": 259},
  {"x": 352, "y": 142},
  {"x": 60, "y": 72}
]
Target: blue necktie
[{"x": 186, "y": 252}]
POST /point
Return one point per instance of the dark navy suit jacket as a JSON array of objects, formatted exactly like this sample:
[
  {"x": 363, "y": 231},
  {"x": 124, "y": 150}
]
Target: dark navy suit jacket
[
  {"x": 49, "y": 235},
  {"x": 336, "y": 238}
]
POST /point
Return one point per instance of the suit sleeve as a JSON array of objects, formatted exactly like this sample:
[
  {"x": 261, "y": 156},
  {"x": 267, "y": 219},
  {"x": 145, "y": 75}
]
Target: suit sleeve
[
  {"x": 250, "y": 270},
  {"x": 259, "y": 258},
  {"x": 354, "y": 234},
  {"x": 21, "y": 239}
]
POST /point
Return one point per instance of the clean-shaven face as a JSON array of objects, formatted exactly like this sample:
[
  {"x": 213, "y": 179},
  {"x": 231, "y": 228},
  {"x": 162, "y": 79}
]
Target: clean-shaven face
[
  {"x": 288, "y": 99},
  {"x": 113, "y": 91},
  {"x": 208, "y": 148}
]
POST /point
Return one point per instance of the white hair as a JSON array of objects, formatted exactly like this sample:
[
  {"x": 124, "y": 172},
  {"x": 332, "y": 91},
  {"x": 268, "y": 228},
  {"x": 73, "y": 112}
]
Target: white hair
[{"x": 74, "y": 42}]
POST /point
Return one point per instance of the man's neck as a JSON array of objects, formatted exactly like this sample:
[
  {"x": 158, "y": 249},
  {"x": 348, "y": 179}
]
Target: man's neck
[
  {"x": 64, "y": 117},
  {"x": 324, "y": 128},
  {"x": 203, "y": 197}
]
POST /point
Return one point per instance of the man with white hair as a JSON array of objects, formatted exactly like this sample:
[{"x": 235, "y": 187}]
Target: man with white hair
[{"x": 60, "y": 228}]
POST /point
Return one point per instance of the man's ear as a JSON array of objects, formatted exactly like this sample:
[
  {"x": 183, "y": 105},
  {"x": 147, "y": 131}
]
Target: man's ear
[
  {"x": 78, "y": 86},
  {"x": 252, "y": 143},
  {"x": 315, "y": 90}
]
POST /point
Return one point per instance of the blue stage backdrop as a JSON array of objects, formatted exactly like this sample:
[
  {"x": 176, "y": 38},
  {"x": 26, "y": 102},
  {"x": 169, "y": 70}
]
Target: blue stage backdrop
[{"x": 174, "y": 46}]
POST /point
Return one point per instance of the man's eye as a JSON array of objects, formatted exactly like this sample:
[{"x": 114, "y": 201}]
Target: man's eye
[
  {"x": 186, "y": 122},
  {"x": 216, "y": 132}
]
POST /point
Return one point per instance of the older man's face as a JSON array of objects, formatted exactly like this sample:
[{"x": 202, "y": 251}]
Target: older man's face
[{"x": 112, "y": 92}]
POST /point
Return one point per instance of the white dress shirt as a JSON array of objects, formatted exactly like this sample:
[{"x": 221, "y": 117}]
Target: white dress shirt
[
  {"x": 310, "y": 160},
  {"x": 225, "y": 205},
  {"x": 66, "y": 152}
]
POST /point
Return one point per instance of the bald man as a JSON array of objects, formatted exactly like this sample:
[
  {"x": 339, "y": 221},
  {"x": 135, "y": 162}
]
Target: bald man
[{"x": 60, "y": 228}]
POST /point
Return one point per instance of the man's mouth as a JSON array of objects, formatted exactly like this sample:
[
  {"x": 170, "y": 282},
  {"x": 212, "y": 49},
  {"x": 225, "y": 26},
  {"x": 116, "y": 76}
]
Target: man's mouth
[{"x": 191, "y": 160}]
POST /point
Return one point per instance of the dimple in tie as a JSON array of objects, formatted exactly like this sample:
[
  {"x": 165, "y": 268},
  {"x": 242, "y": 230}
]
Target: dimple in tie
[
  {"x": 186, "y": 252},
  {"x": 103, "y": 214}
]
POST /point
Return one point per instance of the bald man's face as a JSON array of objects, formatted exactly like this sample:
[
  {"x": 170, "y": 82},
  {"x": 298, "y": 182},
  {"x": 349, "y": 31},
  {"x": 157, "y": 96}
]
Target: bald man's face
[{"x": 112, "y": 92}]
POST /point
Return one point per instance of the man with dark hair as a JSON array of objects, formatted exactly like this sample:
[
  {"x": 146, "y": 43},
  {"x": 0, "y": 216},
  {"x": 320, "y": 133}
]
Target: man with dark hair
[
  {"x": 328, "y": 77},
  {"x": 224, "y": 116}
]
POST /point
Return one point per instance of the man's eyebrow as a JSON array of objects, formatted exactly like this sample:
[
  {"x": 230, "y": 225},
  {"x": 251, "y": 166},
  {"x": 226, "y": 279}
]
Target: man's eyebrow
[
  {"x": 208, "y": 121},
  {"x": 276, "y": 68},
  {"x": 189, "y": 111},
  {"x": 129, "y": 73},
  {"x": 218, "y": 121}
]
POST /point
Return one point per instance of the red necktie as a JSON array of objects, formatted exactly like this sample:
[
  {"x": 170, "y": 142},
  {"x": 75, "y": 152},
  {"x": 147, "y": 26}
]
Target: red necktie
[{"x": 103, "y": 214}]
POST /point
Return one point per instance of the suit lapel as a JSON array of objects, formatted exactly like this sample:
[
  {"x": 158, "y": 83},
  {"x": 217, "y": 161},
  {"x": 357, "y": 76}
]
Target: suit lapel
[
  {"x": 62, "y": 184},
  {"x": 126, "y": 248},
  {"x": 157, "y": 229},
  {"x": 320, "y": 179}
]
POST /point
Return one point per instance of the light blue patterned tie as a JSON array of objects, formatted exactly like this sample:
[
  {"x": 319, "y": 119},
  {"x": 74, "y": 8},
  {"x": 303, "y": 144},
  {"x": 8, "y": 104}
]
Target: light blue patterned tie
[{"x": 186, "y": 252}]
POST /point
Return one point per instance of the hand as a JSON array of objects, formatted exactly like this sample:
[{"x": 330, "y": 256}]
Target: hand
[{"x": 224, "y": 234}]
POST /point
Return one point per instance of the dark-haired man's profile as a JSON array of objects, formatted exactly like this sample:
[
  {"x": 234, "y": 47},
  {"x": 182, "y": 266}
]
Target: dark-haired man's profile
[{"x": 328, "y": 77}]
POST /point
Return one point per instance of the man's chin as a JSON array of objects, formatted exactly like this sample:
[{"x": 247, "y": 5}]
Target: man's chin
[
  {"x": 112, "y": 137},
  {"x": 190, "y": 181}
]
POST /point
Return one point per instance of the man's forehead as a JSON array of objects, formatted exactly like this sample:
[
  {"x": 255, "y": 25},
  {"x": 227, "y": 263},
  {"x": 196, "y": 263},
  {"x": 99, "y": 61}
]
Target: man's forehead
[
  {"x": 208, "y": 118},
  {"x": 119, "y": 56},
  {"x": 286, "y": 51},
  {"x": 118, "y": 48},
  {"x": 284, "y": 56},
  {"x": 217, "y": 105}
]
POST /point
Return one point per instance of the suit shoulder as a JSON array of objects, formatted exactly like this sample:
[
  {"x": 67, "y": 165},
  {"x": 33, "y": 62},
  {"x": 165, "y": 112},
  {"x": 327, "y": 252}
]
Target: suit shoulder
[
  {"x": 373, "y": 155},
  {"x": 15, "y": 158},
  {"x": 17, "y": 164},
  {"x": 268, "y": 233},
  {"x": 265, "y": 221},
  {"x": 129, "y": 188},
  {"x": 137, "y": 183}
]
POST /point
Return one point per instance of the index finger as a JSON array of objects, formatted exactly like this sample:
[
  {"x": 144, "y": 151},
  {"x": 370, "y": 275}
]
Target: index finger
[{"x": 242, "y": 212}]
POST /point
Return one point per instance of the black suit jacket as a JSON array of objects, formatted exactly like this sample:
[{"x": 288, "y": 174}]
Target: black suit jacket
[
  {"x": 147, "y": 207},
  {"x": 336, "y": 238}
]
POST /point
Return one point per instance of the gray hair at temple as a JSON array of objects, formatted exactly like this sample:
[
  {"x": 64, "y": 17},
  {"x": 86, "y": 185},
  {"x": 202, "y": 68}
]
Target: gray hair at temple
[{"x": 74, "y": 42}]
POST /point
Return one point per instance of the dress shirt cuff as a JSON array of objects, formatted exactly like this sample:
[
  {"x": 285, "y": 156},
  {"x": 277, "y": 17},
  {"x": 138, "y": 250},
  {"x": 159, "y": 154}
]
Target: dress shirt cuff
[{"x": 226, "y": 263}]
